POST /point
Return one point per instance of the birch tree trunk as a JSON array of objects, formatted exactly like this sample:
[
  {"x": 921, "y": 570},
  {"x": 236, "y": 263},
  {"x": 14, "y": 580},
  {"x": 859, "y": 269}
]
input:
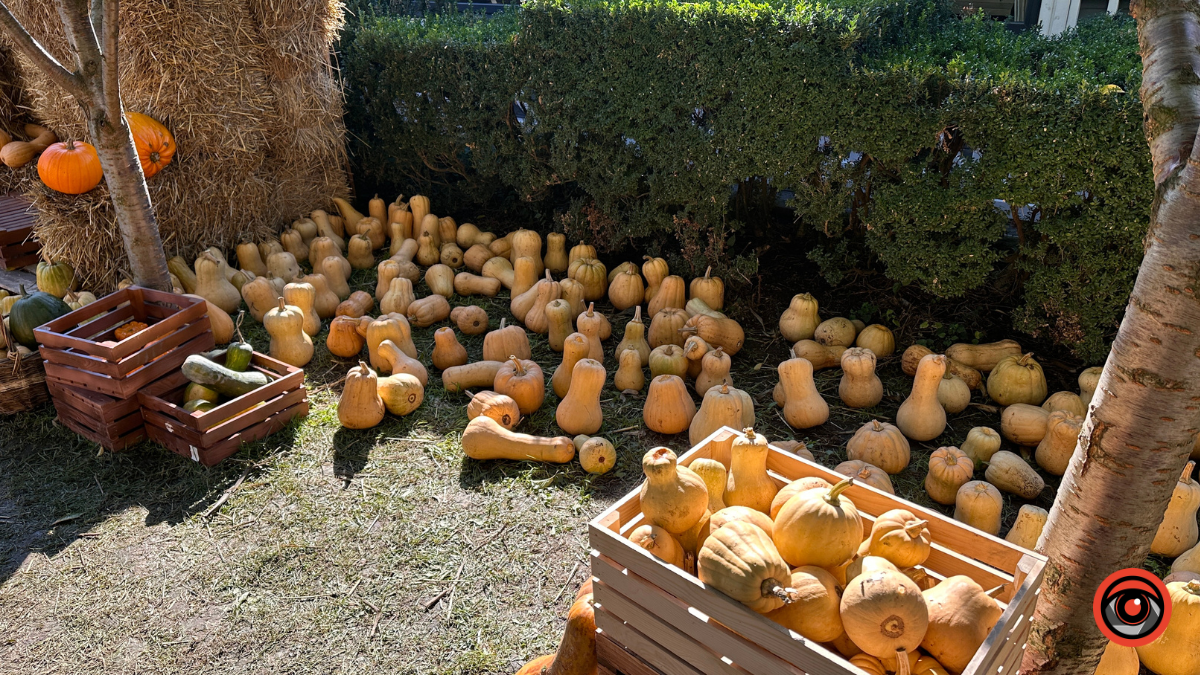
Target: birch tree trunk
[
  {"x": 95, "y": 86},
  {"x": 1144, "y": 417}
]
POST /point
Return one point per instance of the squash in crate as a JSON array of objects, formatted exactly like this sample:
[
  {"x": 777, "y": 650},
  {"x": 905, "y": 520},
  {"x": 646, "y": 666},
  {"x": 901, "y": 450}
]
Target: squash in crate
[
  {"x": 748, "y": 483},
  {"x": 900, "y": 537},
  {"x": 961, "y": 615},
  {"x": 814, "y": 607},
  {"x": 660, "y": 543},
  {"x": 883, "y": 611},
  {"x": 818, "y": 527},
  {"x": 672, "y": 497},
  {"x": 740, "y": 561}
]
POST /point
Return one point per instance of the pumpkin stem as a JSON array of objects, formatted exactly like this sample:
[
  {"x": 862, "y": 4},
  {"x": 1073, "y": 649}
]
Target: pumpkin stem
[
  {"x": 1192, "y": 587},
  {"x": 501, "y": 323},
  {"x": 548, "y": 277},
  {"x": 281, "y": 305},
  {"x": 1024, "y": 360},
  {"x": 914, "y": 528},
  {"x": 902, "y": 665},
  {"x": 520, "y": 370},
  {"x": 992, "y": 593},
  {"x": 837, "y": 490},
  {"x": 591, "y": 307},
  {"x": 1186, "y": 477},
  {"x": 637, "y": 315},
  {"x": 749, "y": 431},
  {"x": 772, "y": 587}
]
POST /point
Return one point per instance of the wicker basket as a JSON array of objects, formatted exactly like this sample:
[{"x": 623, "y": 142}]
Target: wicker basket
[{"x": 22, "y": 378}]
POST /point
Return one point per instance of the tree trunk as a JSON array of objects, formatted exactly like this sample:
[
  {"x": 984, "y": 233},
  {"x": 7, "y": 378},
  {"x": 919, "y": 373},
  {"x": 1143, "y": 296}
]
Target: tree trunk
[
  {"x": 131, "y": 201},
  {"x": 96, "y": 88},
  {"x": 1144, "y": 417}
]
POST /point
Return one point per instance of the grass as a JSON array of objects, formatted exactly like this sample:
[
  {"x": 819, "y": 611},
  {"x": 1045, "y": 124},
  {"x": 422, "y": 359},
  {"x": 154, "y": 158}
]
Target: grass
[{"x": 379, "y": 550}]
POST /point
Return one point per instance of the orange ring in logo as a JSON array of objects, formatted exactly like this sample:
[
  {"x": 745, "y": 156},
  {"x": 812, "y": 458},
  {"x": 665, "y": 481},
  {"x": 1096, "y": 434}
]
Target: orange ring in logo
[{"x": 1132, "y": 607}]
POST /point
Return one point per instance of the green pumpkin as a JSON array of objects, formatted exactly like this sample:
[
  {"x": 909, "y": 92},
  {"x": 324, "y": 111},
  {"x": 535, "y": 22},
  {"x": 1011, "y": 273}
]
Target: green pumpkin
[
  {"x": 32, "y": 310},
  {"x": 55, "y": 278}
]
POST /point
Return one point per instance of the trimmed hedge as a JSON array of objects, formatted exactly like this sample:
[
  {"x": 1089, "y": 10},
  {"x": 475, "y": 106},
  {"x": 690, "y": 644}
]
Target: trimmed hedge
[{"x": 895, "y": 124}]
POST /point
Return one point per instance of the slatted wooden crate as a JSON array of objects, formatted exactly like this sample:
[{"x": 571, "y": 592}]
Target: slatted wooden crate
[
  {"x": 81, "y": 350},
  {"x": 210, "y": 437},
  {"x": 657, "y": 618},
  {"x": 18, "y": 248},
  {"x": 114, "y": 423}
]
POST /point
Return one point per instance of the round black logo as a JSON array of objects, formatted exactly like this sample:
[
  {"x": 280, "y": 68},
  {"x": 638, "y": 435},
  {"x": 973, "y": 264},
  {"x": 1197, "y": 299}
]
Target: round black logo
[{"x": 1132, "y": 607}]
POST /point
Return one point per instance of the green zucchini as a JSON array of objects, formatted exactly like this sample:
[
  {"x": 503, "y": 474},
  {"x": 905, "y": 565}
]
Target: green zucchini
[
  {"x": 220, "y": 379},
  {"x": 237, "y": 357}
]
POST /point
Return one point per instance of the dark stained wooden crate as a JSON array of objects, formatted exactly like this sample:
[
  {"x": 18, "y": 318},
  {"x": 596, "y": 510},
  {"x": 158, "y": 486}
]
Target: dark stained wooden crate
[
  {"x": 114, "y": 423},
  {"x": 81, "y": 350},
  {"x": 18, "y": 248},
  {"x": 212, "y": 436}
]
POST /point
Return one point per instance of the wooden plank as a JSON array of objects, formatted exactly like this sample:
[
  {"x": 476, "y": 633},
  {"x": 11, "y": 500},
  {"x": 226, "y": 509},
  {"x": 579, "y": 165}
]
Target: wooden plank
[
  {"x": 110, "y": 430},
  {"x": 119, "y": 444},
  {"x": 633, "y": 588},
  {"x": 220, "y": 451},
  {"x": 100, "y": 406},
  {"x": 694, "y": 653},
  {"x": 245, "y": 420},
  {"x": 1020, "y": 609},
  {"x": 124, "y": 367},
  {"x": 12, "y": 279},
  {"x": 63, "y": 332},
  {"x": 128, "y": 387},
  {"x": 785, "y": 644},
  {"x": 646, "y": 649},
  {"x": 614, "y": 659}
]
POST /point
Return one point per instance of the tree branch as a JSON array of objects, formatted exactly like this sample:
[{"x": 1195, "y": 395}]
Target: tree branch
[
  {"x": 41, "y": 58},
  {"x": 111, "y": 55},
  {"x": 1168, "y": 38}
]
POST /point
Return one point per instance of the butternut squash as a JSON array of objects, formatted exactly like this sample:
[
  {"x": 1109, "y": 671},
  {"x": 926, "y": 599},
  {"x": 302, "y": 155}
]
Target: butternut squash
[
  {"x": 660, "y": 543},
  {"x": 212, "y": 285},
  {"x": 710, "y": 289},
  {"x": 500, "y": 269},
  {"x": 581, "y": 250},
  {"x": 721, "y": 407},
  {"x": 748, "y": 483},
  {"x": 921, "y": 417},
  {"x": 626, "y": 290},
  {"x": 813, "y": 610},
  {"x": 560, "y": 322},
  {"x": 344, "y": 340},
  {"x": 590, "y": 324},
  {"x": 335, "y": 276},
  {"x": 496, "y": 406},
  {"x": 859, "y": 387},
  {"x": 835, "y": 332},
  {"x": 884, "y": 613},
  {"x": 1010, "y": 473},
  {"x": 635, "y": 338},
  {"x": 325, "y": 229},
  {"x": 260, "y": 297},
  {"x": 818, "y": 527},
  {"x": 668, "y": 360},
  {"x": 629, "y": 375},
  {"x": 1178, "y": 531},
  {"x": 592, "y": 274},
  {"x": 484, "y": 438},
  {"x": 469, "y": 284},
  {"x": 302, "y": 296},
  {"x": 1089, "y": 380},
  {"x": 451, "y": 255},
  {"x": 820, "y": 356},
  {"x": 447, "y": 352},
  {"x": 402, "y": 393},
  {"x": 669, "y": 408},
  {"x": 440, "y": 280},
  {"x": 579, "y": 411},
  {"x": 981, "y": 444},
  {"x": 665, "y": 327},
  {"x": 1017, "y": 379},
  {"x": 506, "y": 341},
  {"x": 523, "y": 382},
  {"x": 1058, "y": 445},
  {"x": 714, "y": 371},
  {"x": 1024, "y": 424},
  {"x": 1028, "y": 527},
  {"x": 949, "y": 470},
  {"x": 428, "y": 311},
  {"x": 953, "y": 393},
  {"x": 878, "y": 339},
  {"x": 724, "y": 333},
  {"x": 912, "y": 358},
  {"x": 470, "y": 319},
  {"x": 575, "y": 349},
  {"x": 547, "y": 291},
  {"x": 358, "y": 305},
  {"x": 882, "y": 445},
  {"x": 398, "y": 297},
  {"x": 360, "y": 406},
  {"x": 866, "y": 474},
  {"x": 673, "y": 497},
  {"x": 800, "y": 320},
  {"x": 249, "y": 259},
  {"x": 1067, "y": 401},
  {"x": 979, "y": 504},
  {"x": 984, "y": 357},
  {"x": 803, "y": 407},
  {"x": 961, "y": 615},
  {"x": 572, "y": 292},
  {"x": 671, "y": 293},
  {"x": 471, "y": 376},
  {"x": 654, "y": 269}
]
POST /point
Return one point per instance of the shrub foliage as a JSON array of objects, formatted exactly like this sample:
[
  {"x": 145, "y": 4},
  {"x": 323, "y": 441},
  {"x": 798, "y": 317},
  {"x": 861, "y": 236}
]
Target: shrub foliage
[{"x": 892, "y": 127}]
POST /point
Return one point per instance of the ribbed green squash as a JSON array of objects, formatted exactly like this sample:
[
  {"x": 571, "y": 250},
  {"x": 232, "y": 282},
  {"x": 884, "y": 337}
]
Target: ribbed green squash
[
  {"x": 31, "y": 311},
  {"x": 55, "y": 278}
]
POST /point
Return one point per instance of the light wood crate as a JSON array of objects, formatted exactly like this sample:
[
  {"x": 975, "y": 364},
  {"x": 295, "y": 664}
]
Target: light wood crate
[{"x": 675, "y": 624}]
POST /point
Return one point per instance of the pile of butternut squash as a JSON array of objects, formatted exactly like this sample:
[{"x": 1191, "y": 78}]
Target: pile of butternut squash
[{"x": 800, "y": 556}]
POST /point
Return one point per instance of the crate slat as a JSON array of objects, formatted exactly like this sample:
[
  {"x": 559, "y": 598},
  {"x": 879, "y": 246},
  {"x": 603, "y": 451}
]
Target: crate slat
[
  {"x": 244, "y": 420},
  {"x": 116, "y": 445},
  {"x": 615, "y": 660},
  {"x": 128, "y": 387},
  {"x": 100, "y": 406},
  {"x": 71, "y": 331},
  {"x": 652, "y": 599},
  {"x": 127, "y": 365},
  {"x": 217, "y": 453},
  {"x": 631, "y": 588},
  {"x": 660, "y": 660}
]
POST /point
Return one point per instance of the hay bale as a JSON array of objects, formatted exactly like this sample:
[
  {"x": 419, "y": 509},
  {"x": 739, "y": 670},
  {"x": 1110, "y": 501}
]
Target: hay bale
[{"x": 248, "y": 89}]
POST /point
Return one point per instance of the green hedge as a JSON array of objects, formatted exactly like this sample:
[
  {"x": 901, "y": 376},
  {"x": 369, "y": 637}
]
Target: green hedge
[{"x": 641, "y": 116}]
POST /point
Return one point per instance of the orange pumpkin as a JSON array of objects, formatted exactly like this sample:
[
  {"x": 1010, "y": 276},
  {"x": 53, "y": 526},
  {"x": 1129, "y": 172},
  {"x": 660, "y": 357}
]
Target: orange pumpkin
[
  {"x": 155, "y": 144},
  {"x": 70, "y": 167}
]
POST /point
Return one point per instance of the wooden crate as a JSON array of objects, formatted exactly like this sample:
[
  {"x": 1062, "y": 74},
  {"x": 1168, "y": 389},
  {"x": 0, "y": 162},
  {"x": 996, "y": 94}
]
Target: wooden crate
[
  {"x": 18, "y": 248},
  {"x": 674, "y": 623},
  {"x": 114, "y": 423},
  {"x": 81, "y": 350},
  {"x": 210, "y": 437}
]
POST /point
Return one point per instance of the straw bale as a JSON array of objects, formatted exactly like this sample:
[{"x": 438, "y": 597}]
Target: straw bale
[{"x": 248, "y": 90}]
